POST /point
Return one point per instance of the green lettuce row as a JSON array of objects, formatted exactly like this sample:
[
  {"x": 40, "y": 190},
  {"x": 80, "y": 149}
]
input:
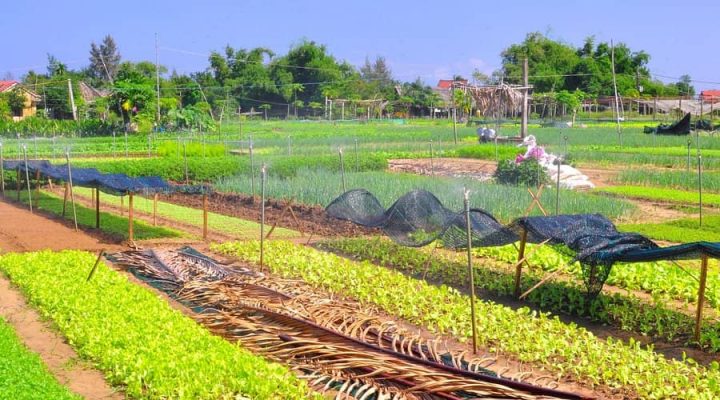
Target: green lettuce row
[
  {"x": 23, "y": 376},
  {"x": 137, "y": 339},
  {"x": 565, "y": 349},
  {"x": 623, "y": 311}
]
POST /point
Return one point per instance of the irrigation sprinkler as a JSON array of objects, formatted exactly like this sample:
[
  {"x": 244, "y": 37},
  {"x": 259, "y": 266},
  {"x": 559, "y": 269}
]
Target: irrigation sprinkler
[
  {"x": 357, "y": 155},
  {"x": 557, "y": 189},
  {"x": 470, "y": 268},
  {"x": 36, "y": 146},
  {"x": 187, "y": 176},
  {"x": 149, "y": 145},
  {"x": 2, "y": 171},
  {"x": 289, "y": 146},
  {"x": 342, "y": 170},
  {"x": 27, "y": 177},
  {"x": 565, "y": 145},
  {"x": 126, "y": 144},
  {"x": 700, "y": 188},
  {"x": 113, "y": 145},
  {"x": 72, "y": 193},
  {"x": 177, "y": 147},
  {"x": 432, "y": 161},
  {"x": 263, "y": 177}
]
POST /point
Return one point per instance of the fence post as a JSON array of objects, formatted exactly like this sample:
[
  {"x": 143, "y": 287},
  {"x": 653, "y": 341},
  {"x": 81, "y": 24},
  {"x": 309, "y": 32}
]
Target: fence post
[
  {"x": 187, "y": 176},
  {"x": 470, "y": 269},
  {"x": 2, "y": 170},
  {"x": 252, "y": 171},
  {"x": 432, "y": 161},
  {"x": 342, "y": 170},
  {"x": 27, "y": 177},
  {"x": 70, "y": 186},
  {"x": 700, "y": 187},
  {"x": 557, "y": 190},
  {"x": 263, "y": 172}
]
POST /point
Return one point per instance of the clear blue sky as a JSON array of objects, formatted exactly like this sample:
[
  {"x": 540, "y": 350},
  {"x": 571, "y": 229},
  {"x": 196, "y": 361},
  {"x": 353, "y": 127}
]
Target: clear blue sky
[{"x": 426, "y": 39}]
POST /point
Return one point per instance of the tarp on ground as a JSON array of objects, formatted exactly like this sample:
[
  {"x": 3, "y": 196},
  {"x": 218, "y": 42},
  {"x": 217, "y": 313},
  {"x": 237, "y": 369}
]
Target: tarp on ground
[
  {"x": 115, "y": 184},
  {"x": 681, "y": 127}
]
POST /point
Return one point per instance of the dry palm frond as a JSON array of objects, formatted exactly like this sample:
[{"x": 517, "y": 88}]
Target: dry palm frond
[{"x": 339, "y": 345}]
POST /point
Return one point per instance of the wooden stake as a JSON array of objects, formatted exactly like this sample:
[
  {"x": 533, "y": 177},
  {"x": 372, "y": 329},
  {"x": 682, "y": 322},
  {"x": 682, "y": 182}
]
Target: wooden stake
[
  {"x": 471, "y": 273},
  {"x": 37, "y": 189},
  {"x": 97, "y": 209},
  {"x": 94, "y": 268},
  {"x": 65, "y": 197},
  {"x": 205, "y": 215},
  {"x": 701, "y": 296},
  {"x": 521, "y": 256},
  {"x": 155, "y": 201},
  {"x": 122, "y": 205},
  {"x": 131, "y": 235},
  {"x": 2, "y": 171}
]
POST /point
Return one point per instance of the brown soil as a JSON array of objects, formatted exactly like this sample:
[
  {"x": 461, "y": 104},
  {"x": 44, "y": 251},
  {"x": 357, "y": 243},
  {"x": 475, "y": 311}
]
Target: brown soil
[
  {"x": 470, "y": 167},
  {"x": 311, "y": 219},
  {"x": 22, "y": 231},
  {"x": 58, "y": 356}
]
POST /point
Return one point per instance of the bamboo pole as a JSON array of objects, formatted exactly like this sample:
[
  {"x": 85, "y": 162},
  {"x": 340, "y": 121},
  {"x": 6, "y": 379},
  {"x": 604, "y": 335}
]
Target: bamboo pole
[
  {"x": 70, "y": 188},
  {"x": 97, "y": 208},
  {"x": 2, "y": 171},
  {"x": 701, "y": 296},
  {"x": 263, "y": 171},
  {"x": 131, "y": 232},
  {"x": 37, "y": 189},
  {"x": 27, "y": 178},
  {"x": 65, "y": 196},
  {"x": 471, "y": 273},
  {"x": 521, "y": 256},
  {"x": 205, "y": 215},
  {"x": 155, "y": 202}
]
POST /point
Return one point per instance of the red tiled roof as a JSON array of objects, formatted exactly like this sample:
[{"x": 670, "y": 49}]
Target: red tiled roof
[
  {"x": 447, "y": 83},
  {"x": 5, "y": 85},
  {"x": 709, "y": 94}
]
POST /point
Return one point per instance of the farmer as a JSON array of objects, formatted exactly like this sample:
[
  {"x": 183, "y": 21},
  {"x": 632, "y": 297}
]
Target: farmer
[{"x": 485, "y": 135}]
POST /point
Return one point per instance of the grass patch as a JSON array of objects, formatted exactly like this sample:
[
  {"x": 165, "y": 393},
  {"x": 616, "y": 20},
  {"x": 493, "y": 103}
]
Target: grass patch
[
  {"x": 662, "y": 194},
  {"x": 109, "y": 223},
  {"x": 137, "y": 339},
  {"x": 681, "y": 230},
  {"x": 237, "y": 227},
  {"x": 23, "y": 376}
]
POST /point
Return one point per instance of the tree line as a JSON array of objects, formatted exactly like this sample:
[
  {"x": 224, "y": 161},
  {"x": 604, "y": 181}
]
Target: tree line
[{"x": 297, "y": 83}]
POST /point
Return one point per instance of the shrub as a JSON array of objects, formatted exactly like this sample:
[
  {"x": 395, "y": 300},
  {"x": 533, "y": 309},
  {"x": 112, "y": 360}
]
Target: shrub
[{"x": 526, "y": 173}]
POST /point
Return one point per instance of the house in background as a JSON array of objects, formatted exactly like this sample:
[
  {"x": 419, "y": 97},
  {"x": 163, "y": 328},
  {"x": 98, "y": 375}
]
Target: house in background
[
  {"x": 31, "y": 99},
  {"x": 710, "y": 96}
]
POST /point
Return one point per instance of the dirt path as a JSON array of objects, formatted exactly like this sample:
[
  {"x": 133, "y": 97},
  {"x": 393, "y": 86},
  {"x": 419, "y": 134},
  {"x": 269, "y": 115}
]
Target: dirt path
[
  {"x": 58, "y": 356},
  {"x": 22, "y": 231}
]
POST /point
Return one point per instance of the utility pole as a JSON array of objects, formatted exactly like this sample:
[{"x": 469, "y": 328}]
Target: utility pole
[
  {"x": 72, "y": 100},
  {"x": 157, "y": 79},
  {"x": 526, "y": 83}
]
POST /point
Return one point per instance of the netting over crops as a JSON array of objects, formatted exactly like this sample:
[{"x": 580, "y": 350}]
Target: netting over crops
[
  {"x": 115, "y": 184},
  {"x": 419, "y": 218}
]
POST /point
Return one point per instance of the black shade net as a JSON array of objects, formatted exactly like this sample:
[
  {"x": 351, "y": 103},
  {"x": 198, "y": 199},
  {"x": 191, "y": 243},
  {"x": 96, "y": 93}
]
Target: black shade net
[
  {"x": 419, "y": 218},
  {"x": 115, "y": 184}
]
